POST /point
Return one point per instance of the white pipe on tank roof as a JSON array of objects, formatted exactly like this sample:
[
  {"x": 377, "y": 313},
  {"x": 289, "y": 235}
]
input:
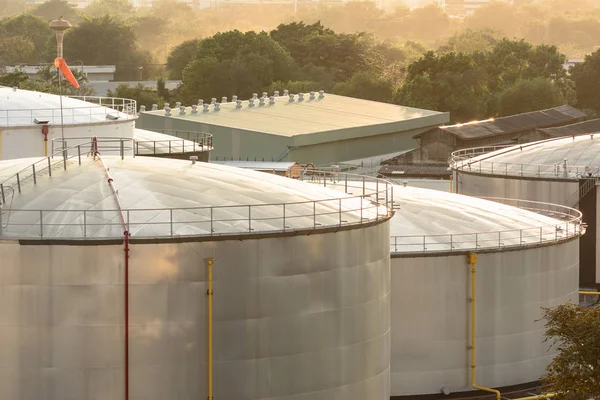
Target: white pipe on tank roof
[
  {"x": 255, "y": 96},
  {"x": 166, "y": 105},
  {"x": 217, "y": 106},
  {"x": 312, "y": 95},
  {"x": 177, "y": 104},
  {"x": 251, "y": 103},
  {"x": 142, "y": 108},
  {"x": 321, "y": 94},
  {"x": 291, "y": 100}
]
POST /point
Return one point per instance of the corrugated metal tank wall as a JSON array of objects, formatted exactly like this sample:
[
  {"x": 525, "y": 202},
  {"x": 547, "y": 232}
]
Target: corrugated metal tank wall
[
  {"x": 547, "y": 191},
  {"x": 431, "y": 317},
  {"x": 296, "y": 318}
]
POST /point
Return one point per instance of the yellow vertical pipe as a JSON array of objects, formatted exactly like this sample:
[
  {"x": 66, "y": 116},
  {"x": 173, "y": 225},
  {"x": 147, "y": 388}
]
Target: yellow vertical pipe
[
  {"x": 209, "y": 293},
  {"x": 473, "y": 263},
  {"x": 451, "y": 188},
  {"x": 46, "y": 147}
]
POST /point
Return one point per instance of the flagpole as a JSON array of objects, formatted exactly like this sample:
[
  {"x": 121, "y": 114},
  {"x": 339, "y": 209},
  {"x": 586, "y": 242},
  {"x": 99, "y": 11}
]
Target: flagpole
[
  {"x": 59, "y": 26},
  {"x": 62, "y": 124}
]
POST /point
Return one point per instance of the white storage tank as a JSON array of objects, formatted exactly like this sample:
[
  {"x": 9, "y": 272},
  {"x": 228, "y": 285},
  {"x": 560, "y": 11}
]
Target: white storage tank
[
  {"x": 35, "y": 124},
  {"x": 562, "y": 171},
  {"x": 300, "y": 293},
  {"x": 526, "y": 259}
]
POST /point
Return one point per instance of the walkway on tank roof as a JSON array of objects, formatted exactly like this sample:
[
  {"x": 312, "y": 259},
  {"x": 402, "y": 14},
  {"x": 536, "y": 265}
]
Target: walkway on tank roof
[
  {"x": 169, "y": 199},
  {"x": 289, "y": 116},
  {"x": 562, "y": 158},
  {"x": 28, "y": 108}
]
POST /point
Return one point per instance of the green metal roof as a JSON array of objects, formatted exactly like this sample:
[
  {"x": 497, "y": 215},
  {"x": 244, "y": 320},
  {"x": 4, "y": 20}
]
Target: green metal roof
[{"x": 309, "y": 116}]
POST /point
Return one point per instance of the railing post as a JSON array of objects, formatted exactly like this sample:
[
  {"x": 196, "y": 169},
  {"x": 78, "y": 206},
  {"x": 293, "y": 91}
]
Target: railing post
[
  {"x": 171, "y": 220},
  {"x": 314, "y": 215},
  {"x": 34, "y": 177},
  {"x": 499, "y": 240},
  {"x": 249, "y": 219},
  {"x": 79, "y": 153},
  {"x": 340, "y": 210},
  {"x": 154, "y": 143},
  {"x": 476, "y": 241},
  {"x": 424, "y": 243},
  {"x": 211, "y": 222},
  {"x": 84, "y": 223},
  {"x": 2, "y": 193},
  {"x": 122, "y": 149},
  {"x": 18, "y": 183},
  {"x": 363, "y": 187},
  {"x": 284, "y": 217},
  {"x": 169, "y": 147},
  {"x": 65, "y": 160},
  {"x": 377, "y": 191},
  {"x": 451, "y": 244},
  {"x": 395, "y": 243},
  {"x": 41, "y": 223},
  {"x": 346, "y": 184}
]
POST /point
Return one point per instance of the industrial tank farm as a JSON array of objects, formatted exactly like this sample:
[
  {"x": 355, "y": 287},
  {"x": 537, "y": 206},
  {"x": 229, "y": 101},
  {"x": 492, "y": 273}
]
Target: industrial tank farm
[
  {"x": 524, "y": 261},
  {"x": 298, "y": 307}
]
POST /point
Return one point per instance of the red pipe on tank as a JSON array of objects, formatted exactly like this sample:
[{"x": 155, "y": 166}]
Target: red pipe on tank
[{"x": 126, "y": 315}]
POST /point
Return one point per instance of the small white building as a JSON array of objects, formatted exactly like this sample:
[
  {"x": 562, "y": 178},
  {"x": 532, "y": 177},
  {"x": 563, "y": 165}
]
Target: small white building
[{"x": 94, "y": 73}]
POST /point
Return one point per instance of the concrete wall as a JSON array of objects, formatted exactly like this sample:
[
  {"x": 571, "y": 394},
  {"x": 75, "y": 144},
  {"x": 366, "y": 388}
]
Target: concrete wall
[
  {"x": 19, "y": 142},
  {"x": 302, "y": 318},
  {"x": 431, "y": 317}
]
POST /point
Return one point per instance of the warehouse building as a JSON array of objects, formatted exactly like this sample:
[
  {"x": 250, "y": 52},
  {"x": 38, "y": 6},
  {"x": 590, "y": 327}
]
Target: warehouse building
[
  {"x": 436, "y": 145},
  {"x": 313, "y": 127}
]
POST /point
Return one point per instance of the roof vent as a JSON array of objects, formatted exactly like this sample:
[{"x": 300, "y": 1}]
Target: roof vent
[
  {"x": 177, "y": 104},
  {"x": 286, "y": 92},
  {"x": 272, "y": 100},
  {"x": 291, "y": 100},
  {"x": 217, "y": 106},
  {"x": 238, "y": 104},
  {"x": 194, "y": 109},
  {"x": 234, "y": 98},
  {"x": 276, "y": 93},
  {"x": 181, "y": 110},
  {"x": 251, "y": 103},
  {"x": 200, "y": 102},
  {"x": 205, "y": 107},
  {"x": 265, "y": 95},
  {"x": 405, "y": 183},
  {"x": 213, "y": 100},
  {"x": 312, "y": 95},
  {"x": 14, "y": 88},
  {"x": 255, "y": 96},
  {"x": 154, "y": 107},
  {"x": 321, "y": 94},
  {"x": 40, "y": 121},
  {"x": 224, "y": 99},
  {"x": 166, "y": 105},
  {"x": 261, "y": 101},
  {"x": 194, "y": 159},
  {"x": 167, "y": 111},
  {"x": 142, "y": 108},
  {"x": 300, "y": 96}
]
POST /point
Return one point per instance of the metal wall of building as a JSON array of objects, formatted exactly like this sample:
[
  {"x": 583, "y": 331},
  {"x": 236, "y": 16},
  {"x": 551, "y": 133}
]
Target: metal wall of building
[
  {"x": 431, "y": 317},
  {"x": 546, "y": 191},
  {"x": 295, "y": 318}
]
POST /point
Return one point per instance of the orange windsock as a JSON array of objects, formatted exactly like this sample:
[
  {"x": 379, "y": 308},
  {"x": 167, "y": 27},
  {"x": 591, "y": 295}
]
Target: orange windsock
[{"x": 61, "y": 64}]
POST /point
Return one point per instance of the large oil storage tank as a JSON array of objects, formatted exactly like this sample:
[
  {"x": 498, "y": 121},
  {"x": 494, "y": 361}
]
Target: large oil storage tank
[
  {"x": 525, "y": 257},
  {"x": 562, "y": 171},
  {"x": 525, "y": 260},
  {"x": 300, "y": 283}
]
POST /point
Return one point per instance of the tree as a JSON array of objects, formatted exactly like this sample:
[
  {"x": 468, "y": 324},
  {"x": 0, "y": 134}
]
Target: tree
[
  {"x": 342, "y": 55},
  {"x": 497, "y": 16},
  {"x": 530, "y": 95},
  {"x": 364, "y": 85},
  {"x": 13, "y": 79},
  {"x": 106, "y": 40},
  {"x": 118, "y": 9},
  {"x": 587, "y": 82},
  {"x": 31, "y": 27},
  {"x": 143, "y": 95},
  {"x": 52, "y": 9},
  {"x": 451, "y": 82},
  {"x": 180, "y": 57},
  {"x": 16, "y": 50},
  {"x": 235, "y": 63},
  {"x": 470, "y": 42},
  {"x": 575, "y": 332}
]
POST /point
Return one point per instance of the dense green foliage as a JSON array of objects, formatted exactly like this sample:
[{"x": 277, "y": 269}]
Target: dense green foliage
[
  {"x": 575, "y": 332},
  {"x": 142, "y": 95},
  {"x": 586, "y": 77}
]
